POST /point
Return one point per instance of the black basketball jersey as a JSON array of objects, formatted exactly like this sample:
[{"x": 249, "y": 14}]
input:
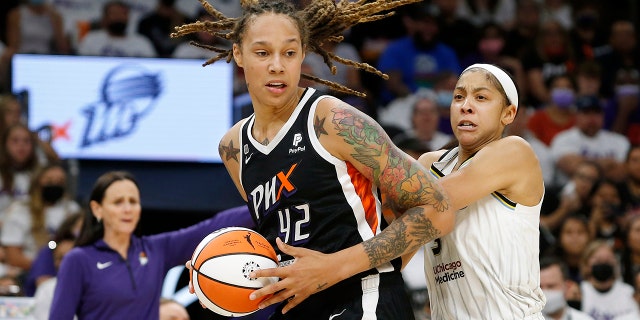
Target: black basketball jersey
[{"x": 299, "y": 192}]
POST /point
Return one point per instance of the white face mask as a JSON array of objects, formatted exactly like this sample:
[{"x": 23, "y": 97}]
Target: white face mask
[{"x": 555, "y": 301}]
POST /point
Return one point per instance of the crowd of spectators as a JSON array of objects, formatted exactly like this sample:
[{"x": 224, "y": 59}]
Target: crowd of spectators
[{"x": 576, "y": 64}]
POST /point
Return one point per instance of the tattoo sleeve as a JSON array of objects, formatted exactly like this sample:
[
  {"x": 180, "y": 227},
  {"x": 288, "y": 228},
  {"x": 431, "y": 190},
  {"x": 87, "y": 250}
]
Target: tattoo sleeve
[{"x": 405, "y": 183}]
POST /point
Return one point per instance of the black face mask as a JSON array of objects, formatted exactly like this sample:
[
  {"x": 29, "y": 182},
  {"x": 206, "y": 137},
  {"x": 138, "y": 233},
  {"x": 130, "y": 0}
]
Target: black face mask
[
  {"x": 117, "y": 28},
  {"x": 576, "y": 304},
  {"x": 52, "y": 193},
  {"x": 602, "y": 271},
  {"x": 168, "y": 3}
]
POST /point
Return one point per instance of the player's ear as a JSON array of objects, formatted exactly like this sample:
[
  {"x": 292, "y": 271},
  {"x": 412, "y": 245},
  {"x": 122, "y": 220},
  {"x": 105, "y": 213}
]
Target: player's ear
[
  {"x": 509, "y": 114},
  {"x": 96, "y": 209},
  {"x": 237, "y": 54}
]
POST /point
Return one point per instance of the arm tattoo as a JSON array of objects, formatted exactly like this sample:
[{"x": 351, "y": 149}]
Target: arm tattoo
[
  {"x": 405, "y": 183},
  {"x": 406, "y": 234},
  {"x": 228, "y": 152},
  {"x": 318, "y": 126}
]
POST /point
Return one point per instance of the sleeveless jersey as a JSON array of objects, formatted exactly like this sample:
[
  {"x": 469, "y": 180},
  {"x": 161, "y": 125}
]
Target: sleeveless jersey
[
  {"x": 487, "y": 267},
  {"x": 299, "y": 192}
]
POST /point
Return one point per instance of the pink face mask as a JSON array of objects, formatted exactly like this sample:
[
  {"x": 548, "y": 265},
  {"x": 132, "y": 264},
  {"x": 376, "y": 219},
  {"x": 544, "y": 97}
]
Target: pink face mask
[{"x": 491, "y": 46}]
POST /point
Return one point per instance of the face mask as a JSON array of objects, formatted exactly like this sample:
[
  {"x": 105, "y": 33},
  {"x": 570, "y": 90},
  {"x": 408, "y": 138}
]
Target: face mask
[
  {"x": 52, "y": 193},
  {"x": 36, "y": 2},
  {"x": 576, "y": 304},
  {"x": 444, "y": 98},
  {"x": 117, "y": 28},
  {"x": 555, "y": 301},
  {"x": 602, "y": 271},
  {"x": 562, "y": 97},
  {"x": 627, "y": 90},
  {"x": 491, "y": 46}
]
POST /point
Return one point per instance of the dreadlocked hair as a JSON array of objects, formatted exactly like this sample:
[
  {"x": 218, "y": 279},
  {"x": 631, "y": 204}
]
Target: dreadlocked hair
[{"x": 320, "y": 21}]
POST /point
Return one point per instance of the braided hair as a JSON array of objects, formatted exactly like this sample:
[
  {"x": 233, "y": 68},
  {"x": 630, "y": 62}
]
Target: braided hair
[{"x": 320, "y": 21}]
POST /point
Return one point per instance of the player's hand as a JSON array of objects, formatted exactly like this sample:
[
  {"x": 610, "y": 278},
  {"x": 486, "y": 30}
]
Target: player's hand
[
  {"x": 191, "y": 289},
  {"x": 311, "y": 273}
]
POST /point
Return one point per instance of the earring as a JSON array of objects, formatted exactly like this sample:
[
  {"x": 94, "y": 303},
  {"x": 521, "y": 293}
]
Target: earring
[{"x": 99, "y": 220}]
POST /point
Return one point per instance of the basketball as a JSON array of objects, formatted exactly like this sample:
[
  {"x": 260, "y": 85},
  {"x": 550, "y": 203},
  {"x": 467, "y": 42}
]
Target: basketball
[{"x": 221, "y": 265}]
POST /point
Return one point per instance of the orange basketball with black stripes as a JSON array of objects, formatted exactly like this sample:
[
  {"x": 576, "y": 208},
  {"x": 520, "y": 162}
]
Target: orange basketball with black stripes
[{"x": 221, "y": 265}]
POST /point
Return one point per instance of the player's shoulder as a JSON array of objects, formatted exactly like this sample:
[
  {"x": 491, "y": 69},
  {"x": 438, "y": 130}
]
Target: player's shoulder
[
  {"x": 512, "y": 146},
  {"x": 429, "y": 158}
]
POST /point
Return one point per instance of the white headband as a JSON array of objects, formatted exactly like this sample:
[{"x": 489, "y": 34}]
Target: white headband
[{"x": 504, "y": 79}]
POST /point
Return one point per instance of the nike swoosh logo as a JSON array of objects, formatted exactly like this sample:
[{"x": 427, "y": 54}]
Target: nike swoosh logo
[
  {"x": 246, "y": 160},
  {"x": 337, "y": 314},
  {"x": 104, "y": 265}
]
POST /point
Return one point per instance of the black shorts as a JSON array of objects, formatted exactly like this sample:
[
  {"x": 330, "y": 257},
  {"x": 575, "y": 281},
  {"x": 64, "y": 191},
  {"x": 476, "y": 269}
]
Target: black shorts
[{"x": 374, "y": 297}]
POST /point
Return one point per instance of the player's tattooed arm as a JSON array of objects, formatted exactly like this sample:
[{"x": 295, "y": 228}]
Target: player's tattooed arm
[
  {"x": 405, "y": 183},
  {"x": 228, "y": 151}
]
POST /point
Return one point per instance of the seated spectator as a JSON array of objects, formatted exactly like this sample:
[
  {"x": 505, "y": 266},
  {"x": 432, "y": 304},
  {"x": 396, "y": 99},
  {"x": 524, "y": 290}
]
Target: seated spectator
[
  {"x": 622, "y": 115},
  {"x": 573, "y": 197},
  {"x": 630, "y": 187},
  {"x": 555, "y": 283},
  {"x": 589, "y": 140},
  {"x": 44, "y": 294},
  {"x": 159, "y": 23},
  {"x": 549, "y": 56},
  {"x": 623, "y": 53},
  {"x": 558, "y": 114},
  {"x": 490, "y": 49},
  {"x": 604, "y": 296},
  {"x": 112, "y": 39},
  {"x": 559, "y": 11},
  {"x": 11, "y": 113},
  {"x": 18, "y": 161},
  {"x": 43, "y": 266},
  {"x": 630, "y": 257},
  {"x": 415, "y": 60},
  {"x": 424, "y": 121},
  {"x": 607, "y": 214},
  {"x": 525, "y": 30},
  {"x": 571, "y": 242},
  {"x": 29, "y": 224},
  {"x": 480, "y": 12}
]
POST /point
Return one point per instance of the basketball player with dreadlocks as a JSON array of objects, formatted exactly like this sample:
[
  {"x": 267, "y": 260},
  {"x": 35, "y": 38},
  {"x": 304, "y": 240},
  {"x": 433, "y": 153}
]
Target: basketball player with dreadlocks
[{"x": 310, "y": 166}]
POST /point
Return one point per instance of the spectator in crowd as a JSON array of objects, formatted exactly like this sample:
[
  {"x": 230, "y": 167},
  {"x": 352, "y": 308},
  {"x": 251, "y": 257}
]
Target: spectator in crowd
[
  {"x": 559, "y": 11},
  {"x": 607, "y": 214},
  {"x": 623, "y": 113},
  {"x": 489, "y": 49},
  {"x": 91, "y": 284},
  {"x": 588, "y": 35},
  {"x": 62, "y": 244},
  {"x": 451, "y": 26},
  {"x": 572, "y": 197},
  {"x": 630, "y": 187},
  {"x": 555, "y": 282},
  {"x": 630, "y": 256},
  {"x": 550, "y": 55},
  {"x": 604, "y": 296},
  {"x": 424, "y": 121},
  {"x": 525, "y": 30},
  {"x": 112, "y": 39},
  {"x": 558, "y": 114},
  {"x": 30, "y": 224},
  {"x": 172, "y": 310},
  {"x": 570, "y": 244},
  {"x": 443, "y": 87},
  {"x": 36, "y": 27},
  {"x": 159, "y": 23},
  {"x": 11, "y": 113},
  {"x": 18, "y": 162},
  {"x": 480, "y": 12},
  {"x": 43, "y": 266},
  {"x": 588, "y": 79},
  {"x": 623, "y": 53},
  {"x": 587, "y": 139},
  {"x": 415, "y": 60}
]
